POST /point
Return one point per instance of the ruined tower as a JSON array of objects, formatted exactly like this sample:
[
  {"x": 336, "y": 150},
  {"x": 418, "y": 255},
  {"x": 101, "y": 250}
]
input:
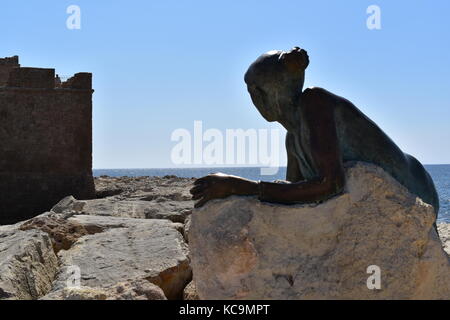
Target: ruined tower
[{"x": 45, "y": 139}]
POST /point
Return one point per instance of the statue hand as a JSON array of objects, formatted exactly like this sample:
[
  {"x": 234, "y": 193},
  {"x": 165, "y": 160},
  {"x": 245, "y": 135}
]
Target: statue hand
[{"x": 219, "y": 185}]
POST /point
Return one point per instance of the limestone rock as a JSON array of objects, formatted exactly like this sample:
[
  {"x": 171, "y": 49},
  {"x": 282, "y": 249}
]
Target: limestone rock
[
  {"x": 131, "y": 290},
  {"x": 28, "y": 264},
  {"x": 138, "y": 197},
  {"x": 244, "y": 249},
  {"x": 138, "y": 209},
  {"x": 127, "y": 250},
  {"x": 62, "y": 232},
  {"x": 128, "y": 245},
  {"x": 444, "y": 233},
  {"x": 81, "y": 293},
  {"x": 142, "y": 197},
  {"x": 190, "y": 292},
  {"x": 68, "y": 205},
  {"x": 187, "y": 228}
]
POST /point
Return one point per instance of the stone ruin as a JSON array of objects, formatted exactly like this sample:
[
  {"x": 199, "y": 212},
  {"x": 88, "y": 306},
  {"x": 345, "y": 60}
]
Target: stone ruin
[{"x": 45, "y": 139}]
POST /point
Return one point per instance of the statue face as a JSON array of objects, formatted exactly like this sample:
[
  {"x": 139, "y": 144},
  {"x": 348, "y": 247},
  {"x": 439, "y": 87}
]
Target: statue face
[{"x": 275, "y": 79}]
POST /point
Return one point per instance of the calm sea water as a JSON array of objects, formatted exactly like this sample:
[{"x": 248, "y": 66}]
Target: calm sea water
[{"x": 439, "y": 173}]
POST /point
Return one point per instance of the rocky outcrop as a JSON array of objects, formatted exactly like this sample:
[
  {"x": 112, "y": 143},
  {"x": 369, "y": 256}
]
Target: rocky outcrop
[
  {"x": 444, "y": 232},
  {"x": 190, "y": 292},
  {"x": 141, "y": 197},
  {"x": 187, "y": 228},
  {"x": 127, "y": 245},
  {"x": 63, "y": 233},
  {"x": 125, "y": 250},
  {"x": 117, "y": 258},
  {"x": 28, "y": 264},
  {"x": 131, "y": 290},
  {"x": 244, "y": 249}
]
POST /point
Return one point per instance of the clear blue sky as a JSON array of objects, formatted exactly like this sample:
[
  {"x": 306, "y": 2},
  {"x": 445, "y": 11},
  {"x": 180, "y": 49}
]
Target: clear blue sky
[{"x": 160, "y": 65}]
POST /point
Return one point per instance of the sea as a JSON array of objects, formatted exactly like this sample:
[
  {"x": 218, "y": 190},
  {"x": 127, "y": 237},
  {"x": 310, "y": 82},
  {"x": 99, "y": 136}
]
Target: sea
[{"x": 439, "y": 173}]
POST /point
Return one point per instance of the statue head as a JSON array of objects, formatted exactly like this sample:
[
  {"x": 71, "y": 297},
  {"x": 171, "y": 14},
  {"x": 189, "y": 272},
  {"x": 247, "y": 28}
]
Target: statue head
[{"x": 275, "y": 81}]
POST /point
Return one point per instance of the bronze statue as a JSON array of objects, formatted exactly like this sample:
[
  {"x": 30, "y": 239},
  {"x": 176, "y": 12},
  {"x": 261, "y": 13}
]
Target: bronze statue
[{"x": 323, "y": 131}]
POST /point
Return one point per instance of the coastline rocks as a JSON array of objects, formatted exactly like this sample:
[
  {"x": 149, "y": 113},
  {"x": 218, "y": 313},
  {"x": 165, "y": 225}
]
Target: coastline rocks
[
  {"x": 190, "y": 292},
  {"x": 68, "y": 205},
  {"x": 244, "y": 249},
  {"x": 135, "y": 209},
  {"x": 28, "y": 264},
  {"x": 63, "y": 233},
  {"x": 131, "y": 290},
  {"x": 444, "y": 232},
  {"x": 127, "y": 250},
  {"x": 140, "y": 197},
  {"x": 187, "y": 228},
  {"x": 112, "y": 258},
  {"x": 128, "y": 245}
]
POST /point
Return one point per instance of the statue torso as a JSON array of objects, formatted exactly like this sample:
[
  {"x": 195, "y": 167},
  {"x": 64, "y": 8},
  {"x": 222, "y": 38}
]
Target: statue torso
[{"x": 360, "y": 139}]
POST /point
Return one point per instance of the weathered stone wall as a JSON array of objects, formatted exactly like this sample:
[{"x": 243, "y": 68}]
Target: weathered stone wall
[
  {"x": 45, "y": 142},
  {"x": 6, "y": 65}
]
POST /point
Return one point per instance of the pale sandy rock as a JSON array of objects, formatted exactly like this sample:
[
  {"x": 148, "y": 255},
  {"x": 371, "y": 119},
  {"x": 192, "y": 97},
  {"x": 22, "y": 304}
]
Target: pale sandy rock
[
  {"x": 130, "y": 240},
  {"x": 136, "y": 197},
  {"x": 444, "y": 233},
  {"x": 139, "y": 209},
  {"x": 161, "y": 189},
  {"x": 81, "y": 293},
  {"x": 244, "y": 249},
  {"x": 187, "y": 228},
  {"x": 28, "y": 264},
  {"x": 130, "y": 290},
  {"x": 127, "y": 250},
  {"x": 63, "y": 233},
  {"x": 136, "y": 290},
  {"x": 68, "y": 205},
  {"x": 190, "y": 292}
]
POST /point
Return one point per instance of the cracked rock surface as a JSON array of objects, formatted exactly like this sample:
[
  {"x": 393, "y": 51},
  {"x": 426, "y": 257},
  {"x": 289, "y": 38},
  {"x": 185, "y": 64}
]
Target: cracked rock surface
[
  {"x": 128, "y": 244},
  {"x": 128, "y": 249},
  {"x": 28, "y": 263}
]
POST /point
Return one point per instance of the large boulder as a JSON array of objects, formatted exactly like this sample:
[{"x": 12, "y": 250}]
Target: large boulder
[
  {"x": 125, "y": 250},
  {"x": 65, "y": 255},
  {"x": 139, "y": 205},
  {"x": 142, "y": 197},
  {"x": 375, "y": 241},
  {"x": 190, "y": 292},
  {"x": 128, "y": 290},
  {"x": 444, "y": 232},
  {"x": 28, "y": 264}
]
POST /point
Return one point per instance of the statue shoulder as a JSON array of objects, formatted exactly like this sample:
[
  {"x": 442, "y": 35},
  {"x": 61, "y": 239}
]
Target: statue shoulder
[
  {"x": 315, "y": 96},
  {"x": 316, "y": 99},
  {"x": 317, "y": 92}
]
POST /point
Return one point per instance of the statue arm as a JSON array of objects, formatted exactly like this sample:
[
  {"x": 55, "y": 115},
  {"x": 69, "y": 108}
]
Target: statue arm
[{"x": 325, "y": 153}]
